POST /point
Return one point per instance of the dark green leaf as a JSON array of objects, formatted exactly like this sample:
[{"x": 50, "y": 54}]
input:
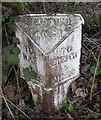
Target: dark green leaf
[
  {"x": 98, "y": 72},
  {"x": 16, "y": 18},
  {"x": 32, "y": 74},
  {"x": 16, "y": 40},
  {"x": 11, "y": 26},
  {"x": 70, "y": 107},
  {"x": 6, "y": 52},
  {"x": 92, "y": 70},
  {"x": 29, "y": 74},
  {"x": 16, "y": 50},
  {"x": 4, "y": 57},
  {"x": 4, "y": 66},
  {"x": 26, "y": 70},
  {"x": 12, "y": 59}
]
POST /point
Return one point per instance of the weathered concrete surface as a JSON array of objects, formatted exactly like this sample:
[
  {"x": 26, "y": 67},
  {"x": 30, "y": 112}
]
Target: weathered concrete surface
[{"x": 51, "y": 46}]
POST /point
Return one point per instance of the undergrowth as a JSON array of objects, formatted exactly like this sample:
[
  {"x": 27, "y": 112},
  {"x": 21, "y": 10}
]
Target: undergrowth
[{"x": 83, "y": 103}]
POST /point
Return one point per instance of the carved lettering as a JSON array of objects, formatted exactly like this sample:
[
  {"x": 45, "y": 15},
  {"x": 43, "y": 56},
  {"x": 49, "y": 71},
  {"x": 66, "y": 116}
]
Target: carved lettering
[
  {"x": 51, "y": 20},
  {"x": 65, "y": 50},
  {"x": 64, "y": 76},
  {"x": 62, "y": 59},
  {"x": 49, "y": 27}
]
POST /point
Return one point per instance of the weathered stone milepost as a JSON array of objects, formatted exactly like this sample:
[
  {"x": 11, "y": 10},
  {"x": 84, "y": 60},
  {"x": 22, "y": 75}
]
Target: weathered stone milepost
[{"x": 50, "y": 46}]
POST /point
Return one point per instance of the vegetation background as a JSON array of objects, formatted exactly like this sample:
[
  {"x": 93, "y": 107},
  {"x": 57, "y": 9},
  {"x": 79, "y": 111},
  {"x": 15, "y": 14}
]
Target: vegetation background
[{"x": 82, "y": 104}]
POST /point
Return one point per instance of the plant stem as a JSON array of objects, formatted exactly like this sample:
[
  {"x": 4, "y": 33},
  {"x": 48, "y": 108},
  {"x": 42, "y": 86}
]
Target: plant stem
[
  {"x": 6, "y": 35},
  {"x": 15, "y": 106},
  {"x": 7, "y": 104},
  {"x": 18, "y": 87},
  {"x": 8, "y": 75},
  {"x": 90, "y": 98}
]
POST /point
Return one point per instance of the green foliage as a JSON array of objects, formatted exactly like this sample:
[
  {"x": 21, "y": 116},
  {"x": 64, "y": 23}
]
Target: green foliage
[
  {"x": 15, "y": 40},
  {"x": 11, "y": 23},
  {"x": 27, "y": 4},
  {"x": 69, "y": 106},
  {"x": 16, "y": 50},
  {"x": 5, "y": 69},
  {"x": 10, "y": 55},
  {"x": 92, "y": 71},
  {"x": 28, "y": 74},
  {"x": 11, "y": 26},
  {"x": 17, "y": 6},
  {"x": 12, "y": 59},
  {"x": 10, "y": 51}
]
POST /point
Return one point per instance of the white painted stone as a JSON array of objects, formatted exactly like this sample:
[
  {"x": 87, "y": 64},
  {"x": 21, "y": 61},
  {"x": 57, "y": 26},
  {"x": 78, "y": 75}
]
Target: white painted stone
[{"x": 51, "y": 46}]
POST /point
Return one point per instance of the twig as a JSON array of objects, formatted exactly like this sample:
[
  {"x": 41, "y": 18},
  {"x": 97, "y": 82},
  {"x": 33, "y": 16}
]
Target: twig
[
  {"x": 8, "y": 75},
  {"x": 6, "y": 35},
  {"x": 94, "y": 112},
  {"x": 96, "y": 93},
  {"x": 27, "y": 10},
  {"x": 17, "y": 80},
  {"x": 96, "y": 34},
  {"x": 90, "y": 52},
  {"x": 18, "y": 87},
  {"x": 15, "y": 106},
  {"x": 70, "y": 117},
  {"x": 94, "y": 77},
  {"x": 7, "y": 105},
  {"x": 94, "y": 42},
  {"x": 24, "y": 8}
]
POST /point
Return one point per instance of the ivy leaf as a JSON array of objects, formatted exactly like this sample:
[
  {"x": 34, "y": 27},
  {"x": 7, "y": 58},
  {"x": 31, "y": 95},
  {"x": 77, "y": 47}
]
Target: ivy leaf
[
  {"x": 7, "y": 49},
  {"x": 16, "y": 40},
  {"x": 26, "y": 70},
  {"x": 11, "y": 24},
  {"x": 29, "y": 74},
  {"x": 32, "y": 74},
  {"x": 5, "y": 54},
  {"x": 70, "y": 107},
  {"x": 16, "y": 18},
  {"x": 92, "y": 71},
  {"x": 12, "y": 59},
  {"x": 16, "y": 50},
  {"x": 98, "y": 72}
]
